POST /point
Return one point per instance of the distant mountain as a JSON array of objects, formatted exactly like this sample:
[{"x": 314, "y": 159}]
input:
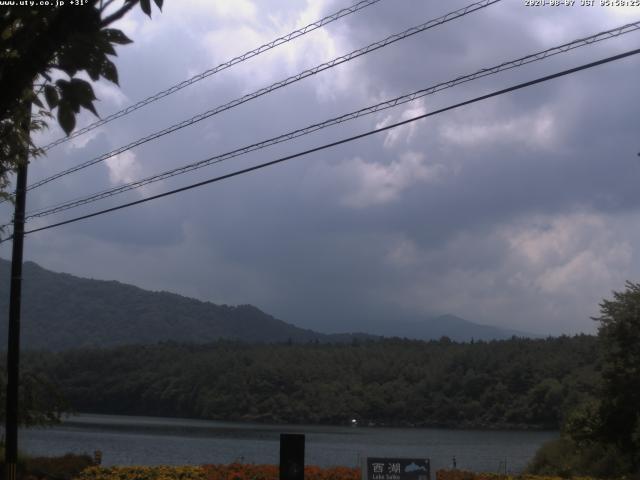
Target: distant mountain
[
  {"x": 456, "y": 328},
  {"x": 61, "y": 311}
]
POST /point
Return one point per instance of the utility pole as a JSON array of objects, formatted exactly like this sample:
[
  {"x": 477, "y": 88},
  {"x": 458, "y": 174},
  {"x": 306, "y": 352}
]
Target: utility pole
[{"x": 13, "y": 350}]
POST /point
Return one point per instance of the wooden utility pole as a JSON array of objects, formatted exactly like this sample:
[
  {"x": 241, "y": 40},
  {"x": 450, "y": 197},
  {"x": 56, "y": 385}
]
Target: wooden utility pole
[{"x": 13, "y": 350}]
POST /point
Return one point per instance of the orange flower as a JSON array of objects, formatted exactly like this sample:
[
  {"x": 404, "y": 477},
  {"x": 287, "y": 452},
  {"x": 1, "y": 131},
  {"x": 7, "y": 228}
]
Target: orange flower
[{"x": 465, "y": 475}]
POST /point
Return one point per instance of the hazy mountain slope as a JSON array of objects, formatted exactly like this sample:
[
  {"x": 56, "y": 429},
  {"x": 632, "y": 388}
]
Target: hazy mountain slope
[
  {"x": 62, "y": 311},
  {"x": 455, "y": 328}
]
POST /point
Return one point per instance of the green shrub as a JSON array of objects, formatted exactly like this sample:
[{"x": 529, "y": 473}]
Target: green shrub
[
  {"x": 66, "y": 467},
  {"x": 565, "y": 458}
]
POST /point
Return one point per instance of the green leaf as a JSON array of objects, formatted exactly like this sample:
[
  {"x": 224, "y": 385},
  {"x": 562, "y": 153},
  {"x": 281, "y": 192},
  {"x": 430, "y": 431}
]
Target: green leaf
[
  {"x": 82, "y": 93},
  {"x": 68, "y": 59},
  {"x": 67, "y": 97},
  {"x": 75, "y": 94},
  {"x": 93, "y": 69},
  {"x": 36, "y": 101},
  {"x": 51, "y": 96},
  {"x": 62, "y": 85},
  {"x": 109, "y": 71},
  {"x": 104, "y": 46},
  {"x": 7, "y": 33},
  {"x": 146, "y": 6},
  {"x": 93, "y": 61},
  {"x": 114, "y": 35},
  {"x": 83, "y": 89},
  {"x": 66, "y": 118},
  {"x": 101, "y": 44},
  {"x": 89, "y": 106}
]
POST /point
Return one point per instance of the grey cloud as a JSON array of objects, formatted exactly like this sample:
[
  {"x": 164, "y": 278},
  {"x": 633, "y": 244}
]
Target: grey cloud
[{"x": 285, "y": 238}]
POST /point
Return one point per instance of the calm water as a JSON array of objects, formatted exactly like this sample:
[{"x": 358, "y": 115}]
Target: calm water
[{"x": 153, "y": 441}]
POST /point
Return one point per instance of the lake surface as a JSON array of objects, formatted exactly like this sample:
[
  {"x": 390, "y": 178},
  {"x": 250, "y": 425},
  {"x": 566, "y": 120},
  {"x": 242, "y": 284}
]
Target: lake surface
[{"x": 126, "y": 440}]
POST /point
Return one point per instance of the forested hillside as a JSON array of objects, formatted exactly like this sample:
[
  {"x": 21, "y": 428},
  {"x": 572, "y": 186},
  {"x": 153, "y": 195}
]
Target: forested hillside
[
  {"x": 61, "y": 311},
  {"x": 513, "y": 383}
]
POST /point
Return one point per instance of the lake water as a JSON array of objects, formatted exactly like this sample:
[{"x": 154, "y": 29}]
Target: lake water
[{"x": 126, "y": 440}]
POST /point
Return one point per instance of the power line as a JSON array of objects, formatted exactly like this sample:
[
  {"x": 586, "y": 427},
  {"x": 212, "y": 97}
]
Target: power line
[
  {"x": 538, "y": 56},
  {"x": 275, "y": 86},
  {"x": 340, "y": 142},
  {"x": 223, "y": 66}
]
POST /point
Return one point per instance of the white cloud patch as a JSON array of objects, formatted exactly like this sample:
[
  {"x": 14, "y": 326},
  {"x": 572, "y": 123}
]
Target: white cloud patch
[
  {"x": 287, "y": 59},
  {"x": 225, "y": 43},
  {"x": 619, "y": 11},
  {"x": 218, "y": 11},
  {"x": 377, "y": 184},
  {"x": 546, "y": 273},
  {"x": 549, "y": 31},
  {"x": 568, "y": 254},
  {"x": 82, "y": 140},
  {"x": 229, "y": 42},
  {"x": 404, "y": 133},
  {"x": 319, "y": 47},
  {"x": 402, "y": 253},
  {"x": 123, "y": 168},
  {"x": 536, "y": 130},
  {"x": 242, "y": 10},
  {"x": 109, "y": 93}
]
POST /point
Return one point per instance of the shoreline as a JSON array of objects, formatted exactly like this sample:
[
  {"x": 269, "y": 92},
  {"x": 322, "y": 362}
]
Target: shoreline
[{"x": 152, "y": 420}]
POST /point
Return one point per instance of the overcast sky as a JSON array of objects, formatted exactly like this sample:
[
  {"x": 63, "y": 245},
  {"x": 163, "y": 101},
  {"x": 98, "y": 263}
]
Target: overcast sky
[{"x": 521, "y": 211}]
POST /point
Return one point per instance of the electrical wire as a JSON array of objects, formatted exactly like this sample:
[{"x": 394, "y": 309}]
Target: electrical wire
[
  {"x": 275, "y": 86},
  {"x": 342, "y": 141},
  {"x": 223, "y": 66},
  {"x": 534, "y": 57}
]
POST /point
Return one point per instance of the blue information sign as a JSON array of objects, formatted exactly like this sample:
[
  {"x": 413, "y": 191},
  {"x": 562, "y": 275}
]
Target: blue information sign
[{"x": 398, "y": 469}]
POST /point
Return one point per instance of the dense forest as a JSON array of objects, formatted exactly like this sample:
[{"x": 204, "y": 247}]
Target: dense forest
[{"x": 513, "y": 383}]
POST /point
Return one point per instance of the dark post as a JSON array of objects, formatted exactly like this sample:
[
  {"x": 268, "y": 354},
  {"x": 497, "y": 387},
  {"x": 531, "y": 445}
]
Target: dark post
[
  {"x": 291, "y": 456},
  {"x": 13, "y": 350}
]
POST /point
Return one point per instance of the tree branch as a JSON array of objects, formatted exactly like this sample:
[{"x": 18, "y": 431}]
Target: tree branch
[{"x": 117, "y": 15}]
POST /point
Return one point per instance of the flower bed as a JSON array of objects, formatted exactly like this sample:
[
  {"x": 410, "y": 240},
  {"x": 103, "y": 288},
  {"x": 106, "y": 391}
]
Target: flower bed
[
  {"x": 465, "y": 475},
  {"x": 143, "y": 473},
  {"x": 234, "y": 471},
  {"x": 237, "y": 471}
]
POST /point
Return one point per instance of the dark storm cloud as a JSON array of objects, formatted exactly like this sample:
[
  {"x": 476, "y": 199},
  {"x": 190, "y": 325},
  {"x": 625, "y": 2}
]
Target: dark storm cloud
[{"x": 519, "y": 211}]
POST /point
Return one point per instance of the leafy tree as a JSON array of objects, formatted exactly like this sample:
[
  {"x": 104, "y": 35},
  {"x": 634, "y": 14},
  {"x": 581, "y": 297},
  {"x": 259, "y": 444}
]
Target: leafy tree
[
  {"x": 619, "y": 336},
  {"x": 40, "y": 400},
  {"x": 387, "y": 382},
  {"x": 567, "y": 458},
  {"x": 42, "y": 51},
  {"x": 601, "y": 436}
]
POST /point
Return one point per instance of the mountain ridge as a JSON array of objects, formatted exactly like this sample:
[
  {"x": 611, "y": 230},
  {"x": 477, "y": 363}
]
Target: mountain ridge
[
  {"x": 62, "y": 311},
  {"x": 448, "y": 325}
]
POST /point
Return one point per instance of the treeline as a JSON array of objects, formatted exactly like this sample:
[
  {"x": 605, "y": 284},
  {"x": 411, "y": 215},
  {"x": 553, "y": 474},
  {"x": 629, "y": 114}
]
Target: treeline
[{"x": 514, "y": 383}]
